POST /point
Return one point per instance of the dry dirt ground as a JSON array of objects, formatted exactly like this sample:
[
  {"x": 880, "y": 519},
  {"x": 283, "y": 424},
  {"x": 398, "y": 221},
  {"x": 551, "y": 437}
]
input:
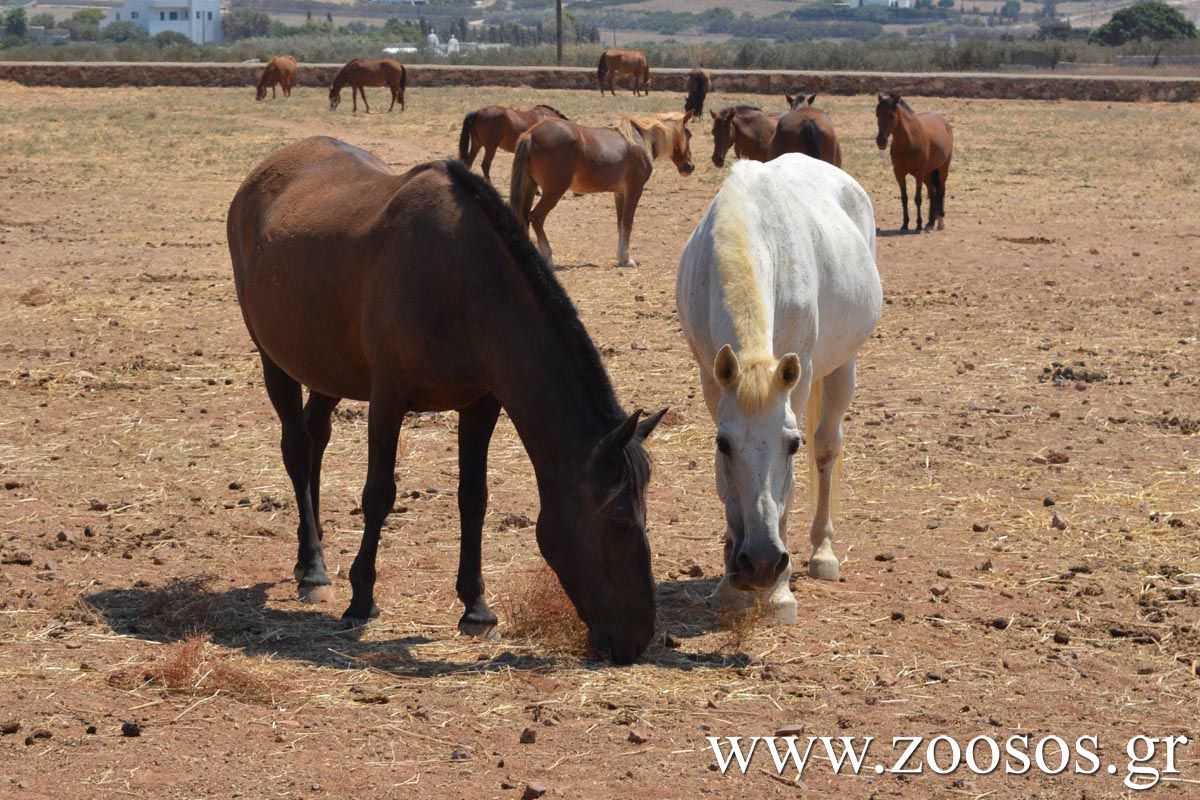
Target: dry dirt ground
[{"x": 1037, "y": 364}]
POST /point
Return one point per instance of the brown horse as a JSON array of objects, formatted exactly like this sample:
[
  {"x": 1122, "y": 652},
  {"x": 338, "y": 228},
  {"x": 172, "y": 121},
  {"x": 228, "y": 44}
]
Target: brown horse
[
  {"x": 420, "y": 292},
  {"x": 806, "y": 130},
  {"x": 360, "y": 72},
  {"x": 615, "y": 63},
  {"x": 494, "y": 127},
  {"x": 922, "y": 145},
  {"x": 699, "y": 84},
  {"x": 557, "y": 155},
  {"x": 746, "y": 129},
  {"x": 280, "y": 71}
]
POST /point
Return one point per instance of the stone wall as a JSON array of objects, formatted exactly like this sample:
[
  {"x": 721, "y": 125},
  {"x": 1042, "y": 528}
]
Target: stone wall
[{"x": 979, "y": 85}]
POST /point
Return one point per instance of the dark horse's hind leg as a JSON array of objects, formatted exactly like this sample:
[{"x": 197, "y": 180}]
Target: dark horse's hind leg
[
  {"x": 918, "y": 202},
  {"x": 317, "y": 419},
  {"x": 383, "y": 432},
  {"x": 489, "y": 153},
  {"x": 475, "y": 425},
  {"x": 297, "y": 446}
]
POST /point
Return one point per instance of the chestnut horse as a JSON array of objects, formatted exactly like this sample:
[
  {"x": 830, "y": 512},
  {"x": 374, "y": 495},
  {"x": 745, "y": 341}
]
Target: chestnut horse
[
  {"x": 807, "y": 130},
  {"x": 922, "y": 145},
  {"x": 615, "y": 63},
  {"x": 360, "y": 72},
  {"x": 746, "y": 129},
  {"x": 494, "y": 127},
  {"x": 420, "y": 292},
  {"x": 280, "y": 71},
  {"x": 557, "y": 155},
  {"x": 699, "y": 84}
]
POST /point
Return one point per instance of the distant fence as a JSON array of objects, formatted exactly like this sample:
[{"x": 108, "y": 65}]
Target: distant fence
[{"x": 980, "y": 85}]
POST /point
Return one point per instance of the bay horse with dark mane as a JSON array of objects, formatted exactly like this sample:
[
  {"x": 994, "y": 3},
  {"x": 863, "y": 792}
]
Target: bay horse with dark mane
[
  {"x": 420, "y": 292},
  {"x": 808, "y": 130},
  {"x": 922, "y": 145},
  {"x": 557, "y": 155},
  {"x": 747, "y": 129},
  {"x": 280, "y": 71},
  {"x": 699, "y": 84},
  {"x": 359, "y": 72},
  {"x": 615, "y": 63},
  {"x": 493, "y": 127}
]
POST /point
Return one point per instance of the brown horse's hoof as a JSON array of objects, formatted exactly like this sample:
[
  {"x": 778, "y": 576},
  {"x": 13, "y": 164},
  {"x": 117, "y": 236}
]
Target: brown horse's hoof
[
  {"x": 315, "y": 592},
  {"x": 941, "y": 226},
  {"x": 354, "y": 619}
]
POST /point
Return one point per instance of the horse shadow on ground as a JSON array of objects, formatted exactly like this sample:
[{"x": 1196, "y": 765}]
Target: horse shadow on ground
[
  {"x": 888, "y": 233},
  {"x": 241, "y": 619}
]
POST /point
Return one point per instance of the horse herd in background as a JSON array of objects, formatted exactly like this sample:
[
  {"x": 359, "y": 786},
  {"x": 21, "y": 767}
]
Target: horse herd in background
[{"x": 423, "y": 292}]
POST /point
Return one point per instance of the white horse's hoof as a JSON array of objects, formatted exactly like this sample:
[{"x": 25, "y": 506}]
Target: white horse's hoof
[
  {"x": 315, "y": 593},
  {"x": 627, "y": 262},
  {"x": 776, "y": 606},
  {"x": 824, "y": 568}
]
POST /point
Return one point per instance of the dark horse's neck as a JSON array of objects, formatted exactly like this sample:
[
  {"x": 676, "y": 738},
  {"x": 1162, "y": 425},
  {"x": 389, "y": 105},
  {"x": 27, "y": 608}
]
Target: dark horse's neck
[
  {"x": 540, "y": 363},
  {"x": 908, "y": 131}
]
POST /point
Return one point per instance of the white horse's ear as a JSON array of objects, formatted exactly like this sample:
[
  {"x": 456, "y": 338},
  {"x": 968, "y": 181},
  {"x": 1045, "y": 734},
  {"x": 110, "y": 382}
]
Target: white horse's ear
[
  {"x": 787, "y": 372},
  {"x": 726, "y": 368}
]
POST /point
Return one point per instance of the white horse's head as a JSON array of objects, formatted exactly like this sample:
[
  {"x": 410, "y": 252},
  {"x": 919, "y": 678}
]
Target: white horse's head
[{"x": 757, "y": 437}]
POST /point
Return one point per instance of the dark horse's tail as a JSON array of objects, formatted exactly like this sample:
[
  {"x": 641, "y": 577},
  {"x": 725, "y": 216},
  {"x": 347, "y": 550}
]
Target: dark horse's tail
[
  {"x": 810, "y": 136},
  {"x": 601, "y": 70},
  {"x": 522, "y": 187},
  {"x": 464, "y": 138}
]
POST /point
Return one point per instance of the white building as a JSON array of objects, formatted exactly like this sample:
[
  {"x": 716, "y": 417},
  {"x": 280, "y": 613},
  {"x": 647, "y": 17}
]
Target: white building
[
  {"x": 888, "y": 3},
  {"x": 199, "y": 20}
]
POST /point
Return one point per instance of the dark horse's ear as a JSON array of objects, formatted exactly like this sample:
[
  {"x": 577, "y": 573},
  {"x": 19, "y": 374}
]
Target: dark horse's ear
[
  {"x": 647, "y": 426},
  {"x": 791, "y": 99},
  {"x": 620, "y": 436},
  {"x": 894, "y": 95},
  {"x": 714, "y": 113},
  {"x": 812, "y": 98}
]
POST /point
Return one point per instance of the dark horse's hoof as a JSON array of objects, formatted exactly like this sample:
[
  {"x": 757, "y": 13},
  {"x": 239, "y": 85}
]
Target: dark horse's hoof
[
  {"x": 354, "y": 618},
  {"x": 478, "y": 623}
]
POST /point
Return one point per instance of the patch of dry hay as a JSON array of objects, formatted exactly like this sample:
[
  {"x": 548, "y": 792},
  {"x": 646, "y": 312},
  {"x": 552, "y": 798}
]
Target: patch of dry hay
[
  {"x": 543, "y": 613},
  {"x": 194, "y": 668}
]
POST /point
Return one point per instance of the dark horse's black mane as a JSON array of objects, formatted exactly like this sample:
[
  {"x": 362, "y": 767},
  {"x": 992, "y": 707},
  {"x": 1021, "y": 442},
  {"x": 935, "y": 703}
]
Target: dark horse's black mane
[
  {"x": 554, "y": 110},
  {"x": 563, "y": 315}
]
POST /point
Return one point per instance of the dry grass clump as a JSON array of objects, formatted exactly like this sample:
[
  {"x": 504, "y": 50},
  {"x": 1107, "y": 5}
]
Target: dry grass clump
[
  {"x": 194, "y": 667},
  {"x": 36, "y": 295},
  {"x": 541, "y": 612},
  {"x": 741, "y": 624}
]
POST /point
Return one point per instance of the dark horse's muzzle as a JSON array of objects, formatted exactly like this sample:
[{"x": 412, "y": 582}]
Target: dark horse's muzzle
[{"x": 687, "y": 168}]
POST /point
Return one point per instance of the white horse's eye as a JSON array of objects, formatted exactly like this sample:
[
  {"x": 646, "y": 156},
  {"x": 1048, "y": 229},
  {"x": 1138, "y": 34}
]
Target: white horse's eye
[{"x": 793, "y": 445}]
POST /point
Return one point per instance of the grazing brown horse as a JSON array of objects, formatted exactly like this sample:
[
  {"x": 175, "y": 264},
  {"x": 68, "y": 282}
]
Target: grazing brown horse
[
  {"x": 922, "y": 145},
  {"x": 494, "y": 127},
  {"x": 360, "y": 72},
  {"x": 615, "y": 63},
  {"x": 420, "y": 292},
  {"x": 280, "y": 71},
  {"x": 807, "y": 130},
  {"x": 746, "y": 129},
  {"x": 699, "y": 84},
  {"x": 557, "y": 155}
]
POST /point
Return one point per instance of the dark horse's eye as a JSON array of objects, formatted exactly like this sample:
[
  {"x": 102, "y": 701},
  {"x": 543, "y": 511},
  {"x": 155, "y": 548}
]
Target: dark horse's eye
[
  {"x": 793, "y": 445},
  {"x": 723, "y": 444}
]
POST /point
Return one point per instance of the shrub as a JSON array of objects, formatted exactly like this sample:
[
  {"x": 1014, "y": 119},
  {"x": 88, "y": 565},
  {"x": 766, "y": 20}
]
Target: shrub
[
  {"x": 168, "y": 38},
  {"x": 124, "y": 32},
  {"x": 15, "y": 24},
  {"x": 243, "y": 24},
  {"x": 1150, "y": 20}
]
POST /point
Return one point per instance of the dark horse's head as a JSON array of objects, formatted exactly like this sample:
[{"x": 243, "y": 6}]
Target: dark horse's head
[
  {"x": 595, "y": 541},
  {"x": 886, "y": 112},
  {"x": 261, "y": 91},
  {"x": 722, "y": 133},
  {"x": 800, "y": 100},
  {"x": 335, "y": 96}
]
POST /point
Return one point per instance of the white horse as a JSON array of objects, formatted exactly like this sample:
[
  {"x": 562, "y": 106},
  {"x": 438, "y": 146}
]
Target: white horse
[{"x": 777, "y": 290}]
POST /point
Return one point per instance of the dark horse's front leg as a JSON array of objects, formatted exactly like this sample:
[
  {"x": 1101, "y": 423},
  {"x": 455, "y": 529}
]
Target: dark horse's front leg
[
  {"x": 362, "y": 90},
  {"x": 476, "y": 423},
  {"x": 918, "y": 202},
  {"x": 383, "y": 432},
  {"x": 900, "y": 179}
]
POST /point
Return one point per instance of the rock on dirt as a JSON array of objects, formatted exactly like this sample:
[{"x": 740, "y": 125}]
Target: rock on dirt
[
  {"x": 131, "y": 729},
  {"x": 529, "y": 736},
  {"x": 533, "y": 790},
  {"x": 637, "y": 737}
]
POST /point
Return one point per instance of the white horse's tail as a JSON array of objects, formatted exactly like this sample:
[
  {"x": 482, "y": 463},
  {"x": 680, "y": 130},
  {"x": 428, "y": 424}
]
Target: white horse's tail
[{"x": 812, "y": 416}]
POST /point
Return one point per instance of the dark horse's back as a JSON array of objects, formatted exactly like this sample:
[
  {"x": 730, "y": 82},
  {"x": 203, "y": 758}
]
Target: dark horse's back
[
  {"x": 341, "y": 264},
  {"x": 809, "y": 131}
]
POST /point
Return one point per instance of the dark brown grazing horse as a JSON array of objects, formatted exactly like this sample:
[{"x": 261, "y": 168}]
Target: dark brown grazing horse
[
  {"x": 420, "y": 292},
  {"x": 360, "y": 72},
  {"x": 922, "y": 145},
  {"x": 557, "y": 155},
  {"x": 280, "y": 71},
  {"x": 615, "y": 63},
  {"x": 699, "y": 84},
  {"x": 493, "y": 127},
  {"x": 806, "y": 130},
  {"x": 746, "y": 129}
]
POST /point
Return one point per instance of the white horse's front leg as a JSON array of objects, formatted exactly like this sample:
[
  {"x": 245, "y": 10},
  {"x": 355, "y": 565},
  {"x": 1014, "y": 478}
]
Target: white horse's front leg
[
  {"x": 777, "y": 605},
  {"x": 837, "y": 389}
]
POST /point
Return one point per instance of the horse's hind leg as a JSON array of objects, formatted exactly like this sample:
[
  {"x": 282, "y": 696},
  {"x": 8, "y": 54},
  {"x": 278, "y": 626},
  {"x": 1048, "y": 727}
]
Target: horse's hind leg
[
  {"x": 393, "y": 105},
  {"x": 837, "y": 389},
  {"x": 941, "y": 209},
  {"x": 296, "y": 446},
  {"x": 489, "y": 153},
  {"x": 383, "y": 432},
  {"x": 318, "y": 412},
  {"x": 363, "y": 91},
  {"x": 537, "y": 218},
  {"x": 917, "y": 199},
  {"x": 626, "y": 208},
  {"x": 475, "y": 425}
]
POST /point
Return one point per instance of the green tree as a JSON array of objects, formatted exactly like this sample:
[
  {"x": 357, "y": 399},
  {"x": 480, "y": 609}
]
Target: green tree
[
  {"x": 15, "y": 24},
  {"x": 242, "y": 24},
  {"x": 89, "y": 16},
  {"x": 168, "y": 38},
  {"x": 43, "y": 20},
  {"x": 1150, "y": 20},
  {"x": 123, "y": 32},
  {"x": 1011, "y": 9}
]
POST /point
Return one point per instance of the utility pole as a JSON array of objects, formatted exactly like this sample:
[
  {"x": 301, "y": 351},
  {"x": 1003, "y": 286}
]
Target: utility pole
[{"x": 558, "y": 20}]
